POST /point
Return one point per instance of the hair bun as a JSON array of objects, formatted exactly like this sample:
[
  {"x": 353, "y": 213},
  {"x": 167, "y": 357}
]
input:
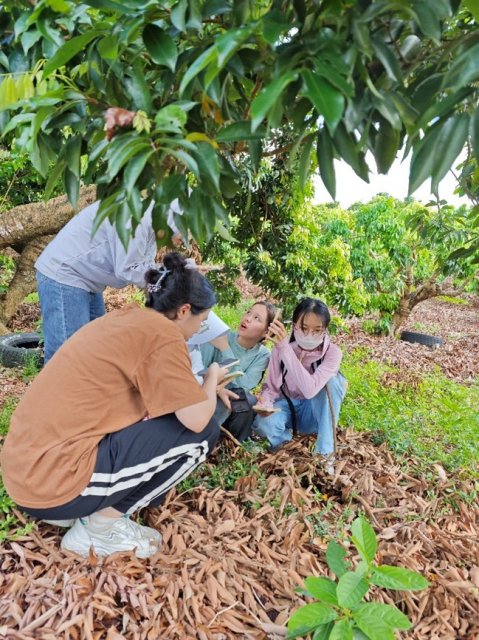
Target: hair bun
[{"x": 174, "y": 261}]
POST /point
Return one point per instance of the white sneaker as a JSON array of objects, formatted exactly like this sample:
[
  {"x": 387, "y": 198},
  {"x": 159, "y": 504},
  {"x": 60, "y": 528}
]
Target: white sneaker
[
  {"x": 123, "y": 535},
  {"x": 328, "y": 463},
  {"x": 60, "y": 523}
]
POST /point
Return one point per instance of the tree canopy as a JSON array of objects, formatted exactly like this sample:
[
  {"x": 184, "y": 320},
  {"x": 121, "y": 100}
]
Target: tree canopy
[{"x": 156, "y": 100}]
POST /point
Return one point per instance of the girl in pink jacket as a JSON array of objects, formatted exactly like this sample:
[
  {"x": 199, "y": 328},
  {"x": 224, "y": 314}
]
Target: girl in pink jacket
[{"x": 294, "y": 397}]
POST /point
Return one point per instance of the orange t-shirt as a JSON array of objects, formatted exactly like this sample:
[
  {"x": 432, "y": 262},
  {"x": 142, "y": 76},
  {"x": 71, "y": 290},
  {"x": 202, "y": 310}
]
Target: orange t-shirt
[{"x": 108, "y": 375}]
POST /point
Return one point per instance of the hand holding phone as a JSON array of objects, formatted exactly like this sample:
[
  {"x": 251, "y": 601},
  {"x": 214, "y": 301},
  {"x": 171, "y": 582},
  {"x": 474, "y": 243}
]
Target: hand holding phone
[
  {"x": 231, "y": 375},
  {"x": 276, "y": 329},
  {"x": 226, "y": 364}
]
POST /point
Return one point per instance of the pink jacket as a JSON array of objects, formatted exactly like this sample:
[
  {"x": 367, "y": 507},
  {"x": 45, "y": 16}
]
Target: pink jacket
[{"x": 301, "y": 382}]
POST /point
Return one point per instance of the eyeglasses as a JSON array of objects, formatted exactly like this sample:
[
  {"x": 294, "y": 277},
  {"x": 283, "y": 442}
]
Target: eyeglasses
[
  {"x": 204, "y": 326},
  {"x": 315, "y": 333}
]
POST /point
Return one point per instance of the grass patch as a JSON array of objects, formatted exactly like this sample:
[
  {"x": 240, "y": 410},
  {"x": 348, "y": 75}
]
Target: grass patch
[
  {"x": 31, "y": 298},
  {"x": 436, "y": 419},
  {"x": 452, "y": 300},
  {"x": 9, "y": 525}
]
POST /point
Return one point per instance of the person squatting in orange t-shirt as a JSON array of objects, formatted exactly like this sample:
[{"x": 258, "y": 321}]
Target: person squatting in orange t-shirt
[{"x": 79, "y": 447}]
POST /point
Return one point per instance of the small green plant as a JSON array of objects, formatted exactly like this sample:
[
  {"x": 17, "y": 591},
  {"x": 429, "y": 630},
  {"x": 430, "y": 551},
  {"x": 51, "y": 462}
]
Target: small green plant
[
  {"x": 379, "y": 327},
  {"x": 341, "y": 612},
  {"x": 30, "y": 367},
  {"x": 5, "y": 415}
]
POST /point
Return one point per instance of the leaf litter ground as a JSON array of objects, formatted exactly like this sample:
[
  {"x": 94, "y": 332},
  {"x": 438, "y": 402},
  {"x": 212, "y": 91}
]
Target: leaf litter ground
[{"x": 231, "y": 558}]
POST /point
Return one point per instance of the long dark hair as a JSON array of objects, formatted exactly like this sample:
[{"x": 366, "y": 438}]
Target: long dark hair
[
  {"x": 311, "y": 305},
  {"x": 174, "y": 284}
]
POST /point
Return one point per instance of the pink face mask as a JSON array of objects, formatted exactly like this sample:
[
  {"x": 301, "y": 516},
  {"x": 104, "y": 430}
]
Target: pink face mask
[{"x": 308, "y": 342}]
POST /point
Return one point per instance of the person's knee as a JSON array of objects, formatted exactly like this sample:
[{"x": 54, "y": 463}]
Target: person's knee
[{"x": 211, "y": 432}]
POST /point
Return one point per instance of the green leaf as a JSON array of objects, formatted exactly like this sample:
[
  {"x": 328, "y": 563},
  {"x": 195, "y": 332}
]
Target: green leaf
[
  {"x": 387, "y": 58},
  {"x": 305, "y": 161},
  {"x": 20, "y": 119},
  {"x": 8, "y": 93},
  {"x": 325, "y": 155},
  {"x": 307, "y": 618},
  {"x": 134, "y": 168},
  {"x": 108, "y": 47},
  {"x": 207, "y": 160},
  {"x": 364, "y": 538},
  {"x": 68, "y": 51},
  {"x": 72, "y": 154},
  {"x": 273, "y": 25},
  {"x": 428, "y": 18},
  {"x": 473, "y": 7},
  {"x": 171, "y": 118},
  {"x": 329, "y": 71},
  {"x": 239, "y": 131},
  {"x": 423, "y": 158},
  {"x": 178, "y": 15},
  {"x": 323, "y": 632},
  {"x": 123, "y": 215},
  {"x": 342, "y": 630},
  {"x": 345, "y": 143},
  {"x": 442, "y": 108},
  {"x": 450, "y": 143},
  {"x": 228, "y": 43},
  {"x": 255, "y": 151},
  {"x": 186, "y": 159},
  {"x": 121, "y": 150},
  {"x": 378, "y": 620},
  {"x": 268, "y": 96},
  {"x": 398, "y": 578},
  {"x": 463, "y": 70},
  {"x": 72, "y": 186},
  {"x": 106, "y": 210},
  {"x": 351, "y": 589},
  {"x": 386, "y": 146},
  {"x": 474, "y": 132},
  {"x": 328, "y": 101},
  {"x": 161, "y": 46},
  {"x": 139, "y": 89},
  {"x": 198, "y": 65},
  {"x": 335, "y": 555},
  {"x": 55, "y": 173},
  {"x": 322, "y": 589},
  {"x": 60, "y": 6}
]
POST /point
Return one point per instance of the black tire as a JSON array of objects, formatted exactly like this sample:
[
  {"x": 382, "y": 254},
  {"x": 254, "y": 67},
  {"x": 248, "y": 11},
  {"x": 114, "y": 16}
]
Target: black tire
[
  {"x": 16, "y": 349},
  {"x": 421, "y": 338}
]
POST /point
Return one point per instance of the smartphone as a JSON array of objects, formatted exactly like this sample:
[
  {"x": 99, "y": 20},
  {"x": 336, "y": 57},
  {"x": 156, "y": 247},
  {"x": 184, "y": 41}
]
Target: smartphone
[
  {"x": 241, "y": 404},
  {"x": 229, "y": 362},
  {"x": 232, "y": 375},
  {"x": 226, "y": 364},
  {"x": 268, "y": 410}
]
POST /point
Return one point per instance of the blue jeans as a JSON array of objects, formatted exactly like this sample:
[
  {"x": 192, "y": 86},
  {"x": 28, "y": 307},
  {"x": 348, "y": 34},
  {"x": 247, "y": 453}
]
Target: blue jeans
[
  {"x": 312, "y": 416},
  {"x": 64, "y": 310}
]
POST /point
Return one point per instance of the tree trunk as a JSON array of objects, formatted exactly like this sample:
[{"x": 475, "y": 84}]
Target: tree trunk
[
  {"x": 23, "y": 282},
  {"x": 28, "y": 221},
  {"x": 409, "y": 299},
  {"x": 29, "y": 228}
]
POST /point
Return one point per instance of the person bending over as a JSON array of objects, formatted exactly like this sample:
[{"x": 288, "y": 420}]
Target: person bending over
[
  {"x": 79, "y": 446},
  {"x": 301, "y": 372},
  {"x": 75, "y": 268},
  {"x": 234, "y": 410}
]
